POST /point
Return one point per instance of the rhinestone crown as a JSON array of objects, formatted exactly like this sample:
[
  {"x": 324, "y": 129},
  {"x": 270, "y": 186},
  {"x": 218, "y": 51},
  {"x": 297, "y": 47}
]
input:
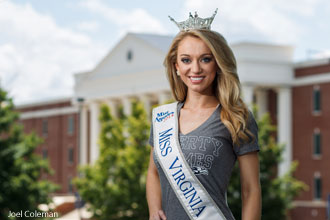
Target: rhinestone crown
[{"x": 195, "y": 22}]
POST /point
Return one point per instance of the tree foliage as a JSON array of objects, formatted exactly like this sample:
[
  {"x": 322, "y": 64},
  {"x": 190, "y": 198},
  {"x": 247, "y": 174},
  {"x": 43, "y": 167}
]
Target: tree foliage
[
  {"x": 21, "y": 187},
  {"x": 277, "y": 192},
  {"x": 114, "y": 186}
]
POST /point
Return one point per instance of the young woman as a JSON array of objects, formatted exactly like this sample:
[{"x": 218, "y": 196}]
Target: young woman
[{"x": 215, "y": 129}]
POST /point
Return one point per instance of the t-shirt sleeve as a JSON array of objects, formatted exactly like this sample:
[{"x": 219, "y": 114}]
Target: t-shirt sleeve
[
  {"x": 250, "y": 146},
  {"x": 151, "y": 137}
]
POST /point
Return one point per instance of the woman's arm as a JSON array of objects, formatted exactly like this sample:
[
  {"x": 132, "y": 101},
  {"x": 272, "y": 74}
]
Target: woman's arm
[
  {"x": 250, "y": 184},
  {"x": 154, "y": 196}
]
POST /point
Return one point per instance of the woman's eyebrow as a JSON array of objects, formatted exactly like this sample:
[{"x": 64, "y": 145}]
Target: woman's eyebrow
[
  {"x": 207, "y": 54},
  {"x": 204, "y": 54}
]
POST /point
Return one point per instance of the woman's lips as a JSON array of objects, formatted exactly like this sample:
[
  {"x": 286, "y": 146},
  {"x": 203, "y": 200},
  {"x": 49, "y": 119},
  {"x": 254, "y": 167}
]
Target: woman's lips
[{"x": 196, "y": 79}]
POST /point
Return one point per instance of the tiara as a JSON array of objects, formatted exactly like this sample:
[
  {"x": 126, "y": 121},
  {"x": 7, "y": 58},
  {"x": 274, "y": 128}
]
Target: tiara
[{"x": 195, "y": 22}]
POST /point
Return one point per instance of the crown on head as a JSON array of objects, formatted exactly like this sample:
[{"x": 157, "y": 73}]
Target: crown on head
[{"x": 195, "y": 22}]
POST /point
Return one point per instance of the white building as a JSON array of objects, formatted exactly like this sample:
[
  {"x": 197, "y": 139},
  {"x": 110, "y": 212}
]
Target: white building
[{"x": 134, "y": 69}]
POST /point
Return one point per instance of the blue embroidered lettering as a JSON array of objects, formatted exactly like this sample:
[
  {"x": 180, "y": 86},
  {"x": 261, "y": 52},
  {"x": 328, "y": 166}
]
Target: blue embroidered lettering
[
  {"x": 163, "y": 136},
  {"x": 176, "y": 173},
  {"x": 200, "y": 210},
  {"x": 186, "y": 188},
  {"x": 193, "y": 199},
  {"x": 189, "y": 191},
  {"x": 167, "y": 150},
  {"x": 199, "y": 201},
  {"x": 164, "y": 142},
  {"x": 172, "y": 166},
  {"x": 181, "y": 177}
]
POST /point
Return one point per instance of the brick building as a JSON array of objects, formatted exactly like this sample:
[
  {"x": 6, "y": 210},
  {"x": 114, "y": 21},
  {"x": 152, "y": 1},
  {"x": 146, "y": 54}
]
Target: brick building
[
  {"x": 57, "y": 123},
  {"x": 311, "y": 136}
]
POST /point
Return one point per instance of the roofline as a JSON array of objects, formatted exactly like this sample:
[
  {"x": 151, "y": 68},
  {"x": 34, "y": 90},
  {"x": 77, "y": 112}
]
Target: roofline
[
  {"x": 253, "y": 43},
  {"x": 44, "y": 102},
  {"x": 310, "y": 63}
]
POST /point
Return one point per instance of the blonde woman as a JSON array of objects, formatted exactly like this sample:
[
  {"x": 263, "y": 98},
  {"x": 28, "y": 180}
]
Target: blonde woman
[{"x": 190, "y": 169}]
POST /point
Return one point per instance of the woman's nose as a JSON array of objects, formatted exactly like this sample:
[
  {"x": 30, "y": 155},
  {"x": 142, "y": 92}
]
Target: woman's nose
[{"x": 196, "y": 68}]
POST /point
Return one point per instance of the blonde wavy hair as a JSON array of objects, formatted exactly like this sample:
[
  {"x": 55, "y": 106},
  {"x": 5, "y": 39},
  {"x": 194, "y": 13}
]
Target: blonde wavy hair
[{"x": 234, "y": 113}]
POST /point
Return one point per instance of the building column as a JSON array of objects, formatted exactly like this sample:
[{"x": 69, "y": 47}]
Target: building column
[
  {"x": 83, "y": 135},
  {"x": 284, "y": 128},
  {"x": 113, "y": 107},
  {"x": 145, "y": 99},
  {"x": 94, "y": 131},
  {"x": 127, "y": 105},
  {"x": 247, "y": 91},
  {"x": 163, "y": 97},
  {"x": 262, "y": 102}
]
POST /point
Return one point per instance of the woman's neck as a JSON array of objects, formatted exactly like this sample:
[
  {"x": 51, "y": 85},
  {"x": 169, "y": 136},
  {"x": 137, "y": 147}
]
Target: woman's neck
[{"x": 197, "y": 101}]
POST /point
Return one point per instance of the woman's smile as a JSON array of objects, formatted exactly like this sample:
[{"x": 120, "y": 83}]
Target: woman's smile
[{"x": 196, "y": 79}]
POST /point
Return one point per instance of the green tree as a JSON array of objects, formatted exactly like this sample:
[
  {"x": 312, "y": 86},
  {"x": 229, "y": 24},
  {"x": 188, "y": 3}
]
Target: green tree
[
  {"x": 277, "y": 192},
  {"x": 114, "y": 186},
  {"x": 21, "y": 187}
]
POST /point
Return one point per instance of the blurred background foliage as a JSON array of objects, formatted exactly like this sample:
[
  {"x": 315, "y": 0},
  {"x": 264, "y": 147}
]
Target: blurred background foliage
[
  {"x": 21, "y": 186},
  {"x": 114, "y": 186}
]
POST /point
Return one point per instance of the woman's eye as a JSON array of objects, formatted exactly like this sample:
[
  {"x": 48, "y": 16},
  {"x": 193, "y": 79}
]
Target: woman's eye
[
  {"x": 206, "y": 59},
  {"x": 185, "y": 60}
]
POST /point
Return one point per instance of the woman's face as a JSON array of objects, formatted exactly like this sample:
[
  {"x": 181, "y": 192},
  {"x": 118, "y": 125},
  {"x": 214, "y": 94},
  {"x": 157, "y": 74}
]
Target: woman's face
[{"x": 196, "y": 65}]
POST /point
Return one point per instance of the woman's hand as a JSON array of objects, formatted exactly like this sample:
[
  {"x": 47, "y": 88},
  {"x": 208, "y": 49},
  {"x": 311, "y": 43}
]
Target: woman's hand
[{"x": 158, "y": 216}]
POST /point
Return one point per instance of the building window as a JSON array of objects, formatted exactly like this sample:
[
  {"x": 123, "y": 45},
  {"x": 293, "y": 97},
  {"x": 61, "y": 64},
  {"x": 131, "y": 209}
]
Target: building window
[
  {"x": 70, "y": 155},
  {"x": 317, "y": 99},
  {"x": 317, "y": 143},
  {"x": 44, "y": 128},
  {"x": 317, "y": 187},
  {"x": 70, "y": 125},
  {"x": 129, "y": 55},
  {"x": 44, "y": 153}
]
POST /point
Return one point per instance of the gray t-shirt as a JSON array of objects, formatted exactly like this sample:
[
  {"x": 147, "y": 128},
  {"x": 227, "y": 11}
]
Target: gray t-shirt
[{"x": 211, "y": 155}]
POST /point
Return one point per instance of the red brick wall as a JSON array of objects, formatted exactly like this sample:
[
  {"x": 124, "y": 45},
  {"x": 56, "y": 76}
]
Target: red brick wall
[
  {"x": 303, "y": 213},
  {"x": 272, "y": 105},
  {"x": 304, "y": 123},
  {"x": 312, "y": 70},
  {"x": 57, "y": 143}
]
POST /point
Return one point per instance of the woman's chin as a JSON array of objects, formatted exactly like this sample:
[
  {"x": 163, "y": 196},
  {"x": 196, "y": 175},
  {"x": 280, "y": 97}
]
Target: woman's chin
[{"x": 200, "y": 90}]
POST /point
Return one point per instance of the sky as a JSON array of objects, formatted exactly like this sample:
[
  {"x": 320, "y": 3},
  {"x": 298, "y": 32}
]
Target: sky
[{"x": 43, "y": 43}]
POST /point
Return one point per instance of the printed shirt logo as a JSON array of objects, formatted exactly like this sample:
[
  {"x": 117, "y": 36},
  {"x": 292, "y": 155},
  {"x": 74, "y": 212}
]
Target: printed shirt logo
[
  {"x": 200, "y": 170},
  {"x": 163, "y": 116}
]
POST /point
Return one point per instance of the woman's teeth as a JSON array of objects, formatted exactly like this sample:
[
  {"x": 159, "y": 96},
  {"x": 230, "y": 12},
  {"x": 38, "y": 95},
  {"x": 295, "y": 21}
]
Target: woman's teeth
[{"x": 196, "y": 78}]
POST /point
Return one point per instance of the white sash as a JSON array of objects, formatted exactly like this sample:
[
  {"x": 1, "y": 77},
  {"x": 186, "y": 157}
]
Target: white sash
[{"x": 196, "y": 201}]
